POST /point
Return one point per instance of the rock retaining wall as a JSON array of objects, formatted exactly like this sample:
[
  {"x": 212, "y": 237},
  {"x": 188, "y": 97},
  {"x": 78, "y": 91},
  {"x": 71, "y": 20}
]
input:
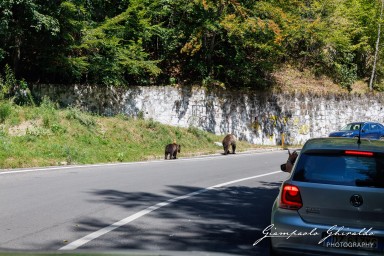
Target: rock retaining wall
[{"x": 258, "y": 117}]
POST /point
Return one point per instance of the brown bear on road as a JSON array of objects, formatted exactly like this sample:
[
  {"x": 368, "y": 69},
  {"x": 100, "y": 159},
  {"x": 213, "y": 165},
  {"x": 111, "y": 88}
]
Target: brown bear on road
[
  {"x": 229, "y": 140},
  {"x": 172, "y": 150}
]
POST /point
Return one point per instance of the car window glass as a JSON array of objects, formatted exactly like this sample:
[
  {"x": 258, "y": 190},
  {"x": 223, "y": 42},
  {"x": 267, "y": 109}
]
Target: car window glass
[
  {"x": 341, "y": 170},
  {"x": 347, "y": 127},
  {"x": 350, "y": 127}
]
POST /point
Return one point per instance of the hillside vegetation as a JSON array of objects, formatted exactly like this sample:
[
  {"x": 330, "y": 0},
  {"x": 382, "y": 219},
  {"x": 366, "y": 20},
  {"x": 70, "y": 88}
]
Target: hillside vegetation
[
  {"x": 45, "y": 136},
  {"x": 231, "y": 43}
]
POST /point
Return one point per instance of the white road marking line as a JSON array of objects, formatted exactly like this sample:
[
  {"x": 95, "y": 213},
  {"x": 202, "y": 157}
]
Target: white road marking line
[
  {"x": 73, "y": 167},
  {"x": 80, "y": 242},
  {"x": 127, "y": 163}
]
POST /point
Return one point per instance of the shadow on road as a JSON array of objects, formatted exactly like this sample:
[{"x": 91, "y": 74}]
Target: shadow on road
[{"x": 225, "y": 220}]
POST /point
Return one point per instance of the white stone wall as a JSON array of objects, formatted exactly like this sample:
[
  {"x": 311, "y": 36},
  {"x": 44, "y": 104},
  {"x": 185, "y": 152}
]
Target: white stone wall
[{"x": 257, "y": 117}]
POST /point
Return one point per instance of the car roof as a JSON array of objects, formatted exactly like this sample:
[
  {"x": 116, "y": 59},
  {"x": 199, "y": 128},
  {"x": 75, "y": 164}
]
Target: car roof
[
  {"x": 338, "y": 143},
  {"x": 364, "y": 122}
]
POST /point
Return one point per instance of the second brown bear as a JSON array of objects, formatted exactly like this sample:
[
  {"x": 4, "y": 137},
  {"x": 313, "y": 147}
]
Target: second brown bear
[{"x": 229, "y": 141}]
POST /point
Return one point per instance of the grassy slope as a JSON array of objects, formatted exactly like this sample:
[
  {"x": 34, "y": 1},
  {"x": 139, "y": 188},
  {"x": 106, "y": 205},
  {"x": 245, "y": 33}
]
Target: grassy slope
[{"x": 45, "y": 136}]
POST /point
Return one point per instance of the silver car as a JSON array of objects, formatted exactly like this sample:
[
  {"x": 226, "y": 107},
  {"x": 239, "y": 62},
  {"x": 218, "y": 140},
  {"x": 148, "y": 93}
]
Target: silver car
[{"x": 333, "y": 201}]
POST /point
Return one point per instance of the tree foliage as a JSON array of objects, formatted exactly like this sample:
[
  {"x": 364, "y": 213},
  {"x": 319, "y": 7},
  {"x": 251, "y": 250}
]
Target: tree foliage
[{"x": 238, "y": 43}]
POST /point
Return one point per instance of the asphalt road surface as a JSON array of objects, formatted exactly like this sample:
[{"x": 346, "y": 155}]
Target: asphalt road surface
[{"x": 216, "y": 204}]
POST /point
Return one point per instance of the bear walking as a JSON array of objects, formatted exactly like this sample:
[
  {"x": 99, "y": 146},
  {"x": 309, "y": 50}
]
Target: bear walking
[
  {"x": 172, "y": 150},
  {"x": 229, "y": 141}
]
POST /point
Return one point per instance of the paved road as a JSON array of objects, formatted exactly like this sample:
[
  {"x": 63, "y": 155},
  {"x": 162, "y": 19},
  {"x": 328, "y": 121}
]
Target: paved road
[{"x": 215, "y": 204}]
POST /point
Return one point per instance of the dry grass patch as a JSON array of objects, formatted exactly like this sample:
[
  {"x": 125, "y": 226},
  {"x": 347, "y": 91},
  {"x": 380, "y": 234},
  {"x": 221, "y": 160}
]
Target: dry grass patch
[
  {"x": 292, "y": 80},
  {"x": 22, "y": 128}
]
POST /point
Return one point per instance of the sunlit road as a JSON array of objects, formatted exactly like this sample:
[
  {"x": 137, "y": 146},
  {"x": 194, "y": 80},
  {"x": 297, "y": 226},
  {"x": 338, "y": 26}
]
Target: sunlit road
[{"x": 209, "y": 204}]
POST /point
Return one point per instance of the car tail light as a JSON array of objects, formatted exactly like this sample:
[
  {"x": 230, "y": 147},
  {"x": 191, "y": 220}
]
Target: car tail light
[
  {"x": 290, "y": 197},
  {"x": 358, "y": 153}
]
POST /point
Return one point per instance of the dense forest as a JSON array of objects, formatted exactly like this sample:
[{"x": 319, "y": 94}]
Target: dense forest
[{"x": 238, "y": 43}]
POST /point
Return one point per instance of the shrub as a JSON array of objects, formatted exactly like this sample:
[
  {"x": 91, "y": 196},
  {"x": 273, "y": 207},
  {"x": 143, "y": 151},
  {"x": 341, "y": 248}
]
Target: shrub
[
  {"x": 83, "y": 118},
  {"x": 5, "y": 111},
  {"x": 58, "y": 129},
  {"x": 152, "y": 124},
  {"x": 48, "y": 111}
]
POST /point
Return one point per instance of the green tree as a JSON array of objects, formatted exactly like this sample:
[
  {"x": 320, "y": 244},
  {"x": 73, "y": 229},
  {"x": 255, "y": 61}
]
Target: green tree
[
  {"x": 335, "y": 38},
  {"x": 224, "y": 41},
  {"x": 22, "y": 23},
  {"x": 115, "y": 52},
  {"x": 238, "y": 43}
]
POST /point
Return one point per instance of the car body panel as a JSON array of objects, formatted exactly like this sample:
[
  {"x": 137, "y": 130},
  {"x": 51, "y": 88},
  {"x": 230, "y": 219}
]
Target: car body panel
[{"x": 317, "y": 208}]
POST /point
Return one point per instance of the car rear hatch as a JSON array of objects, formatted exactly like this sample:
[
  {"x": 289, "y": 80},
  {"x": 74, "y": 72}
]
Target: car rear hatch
[{"x": 343, "y": 188}]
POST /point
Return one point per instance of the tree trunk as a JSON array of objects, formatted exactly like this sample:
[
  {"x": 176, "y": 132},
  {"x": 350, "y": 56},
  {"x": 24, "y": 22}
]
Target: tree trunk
[{"x": 16, "y": 53}]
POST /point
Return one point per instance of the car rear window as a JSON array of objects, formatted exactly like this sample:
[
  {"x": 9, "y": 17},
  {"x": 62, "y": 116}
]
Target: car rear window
[{"x": 341, "y": 169}]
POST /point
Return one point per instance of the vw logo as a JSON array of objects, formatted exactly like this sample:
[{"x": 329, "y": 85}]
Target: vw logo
[{"x": 356, "y": 200}]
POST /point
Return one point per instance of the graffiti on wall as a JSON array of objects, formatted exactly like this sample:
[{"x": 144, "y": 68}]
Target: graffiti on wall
[
  {"x": 272, "y": 126},
  {"x": 269, "y": 124},
  {"x": 198, "y": 117}
]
